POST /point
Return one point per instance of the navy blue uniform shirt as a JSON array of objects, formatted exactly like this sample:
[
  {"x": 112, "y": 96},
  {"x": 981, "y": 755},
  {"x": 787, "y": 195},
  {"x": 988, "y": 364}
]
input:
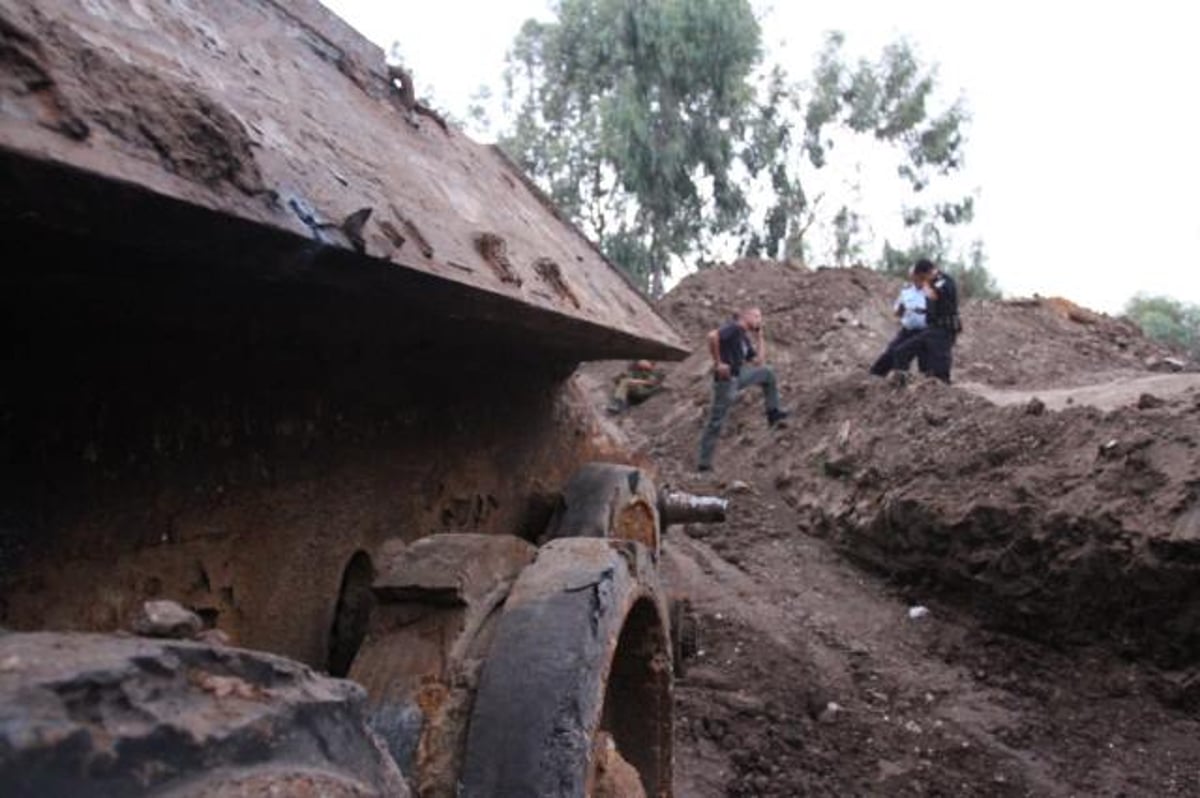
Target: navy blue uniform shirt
[
  {"x": 735, "y": 345},
  {"x": 943, "y": 311}
]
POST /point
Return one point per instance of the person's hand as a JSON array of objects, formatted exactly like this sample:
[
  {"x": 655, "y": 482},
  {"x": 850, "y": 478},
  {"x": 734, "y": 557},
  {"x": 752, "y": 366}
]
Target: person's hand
[{"x": 722, "y": 371}]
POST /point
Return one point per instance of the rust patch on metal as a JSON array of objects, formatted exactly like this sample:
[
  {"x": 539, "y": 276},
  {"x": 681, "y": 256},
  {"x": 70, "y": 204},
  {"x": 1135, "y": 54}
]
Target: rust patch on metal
[
  {"x": 635, "y": 521},
  {"x": 495, "y": 252},
  {"x": 24, "y": 74},
  {"x": 413, "y": 231},
  {"x": 191, "y": 134},
  {"x": 394, "y": 236},
  {"x": 548, "y": 270}
]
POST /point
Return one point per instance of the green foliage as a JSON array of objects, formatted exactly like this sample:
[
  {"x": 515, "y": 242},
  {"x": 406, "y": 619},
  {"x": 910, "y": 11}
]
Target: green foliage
[
  {"x": 887, "y": 100},
  {"x": 628, "y": 113},
  {"x": 975, "y": 280},
  {"x": 650, "y": 123},
  {"x": 846, "y": 227},
  {"x": 1167, "y": 320}
]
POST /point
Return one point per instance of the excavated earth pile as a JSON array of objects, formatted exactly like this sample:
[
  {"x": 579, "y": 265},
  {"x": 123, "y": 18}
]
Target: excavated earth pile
[
  {"x": 1081, "y": 524},
  {"x": 1056, "y": 548}
]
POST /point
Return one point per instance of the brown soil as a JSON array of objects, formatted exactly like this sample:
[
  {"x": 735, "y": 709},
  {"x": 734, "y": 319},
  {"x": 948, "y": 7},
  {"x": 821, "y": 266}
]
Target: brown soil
[{"x": 1057, "y": 551}]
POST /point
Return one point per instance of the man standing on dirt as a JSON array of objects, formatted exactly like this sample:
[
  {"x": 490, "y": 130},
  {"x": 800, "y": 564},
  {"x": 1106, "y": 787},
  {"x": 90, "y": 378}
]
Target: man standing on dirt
[
  {"x": 739, "y": 355},
  {"x": 910, "y": 309},
  {"x": 934, "y": 347}
]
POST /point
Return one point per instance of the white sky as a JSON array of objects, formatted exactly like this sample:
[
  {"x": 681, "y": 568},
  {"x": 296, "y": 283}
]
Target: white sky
[{"x": 1084, "y": 145}]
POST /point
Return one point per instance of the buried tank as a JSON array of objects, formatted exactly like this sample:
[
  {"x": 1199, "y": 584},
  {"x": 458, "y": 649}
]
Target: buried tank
[{"x": 288, "y": 350}]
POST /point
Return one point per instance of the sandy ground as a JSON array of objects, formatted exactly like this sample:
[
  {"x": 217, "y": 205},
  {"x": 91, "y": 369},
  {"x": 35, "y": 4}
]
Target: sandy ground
[{"x": 1119, "y": 390}]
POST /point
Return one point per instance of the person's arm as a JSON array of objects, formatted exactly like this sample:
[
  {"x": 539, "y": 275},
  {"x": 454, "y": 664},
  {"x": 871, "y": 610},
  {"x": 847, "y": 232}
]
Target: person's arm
[
  {"x": 760, "y": 347},
  {"x": 930, "y": 289},
  {"x": 714, "y": 349}
]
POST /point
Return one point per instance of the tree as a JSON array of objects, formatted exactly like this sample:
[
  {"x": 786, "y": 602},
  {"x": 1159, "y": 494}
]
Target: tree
[
  {"x": 975, "y": 280},
  {"x": 1167, "y": 320},
  {"x": 629, "y": 112},
  {"x": 846, "y": 227},
  {"x": 886, "y": 100},
  {"x": 650, "y": 124}
]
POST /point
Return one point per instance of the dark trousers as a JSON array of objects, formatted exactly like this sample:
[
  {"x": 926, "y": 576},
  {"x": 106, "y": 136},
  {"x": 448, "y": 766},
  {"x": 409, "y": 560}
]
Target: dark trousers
[
  {"x": 932, "y": 349},
  {"x": 887, "y": 361},
  {"x": 724, "y": 392}
]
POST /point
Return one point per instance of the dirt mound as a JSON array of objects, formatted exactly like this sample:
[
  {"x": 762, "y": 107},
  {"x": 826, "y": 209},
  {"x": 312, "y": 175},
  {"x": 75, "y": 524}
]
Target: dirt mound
[
  {"x": 1078, "y": 523},
  {"x": 838, "y": 320},
  {"x": 1057, "y": 544}
]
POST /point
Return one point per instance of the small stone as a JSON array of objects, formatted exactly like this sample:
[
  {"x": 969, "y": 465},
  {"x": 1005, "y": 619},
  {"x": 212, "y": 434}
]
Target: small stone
[
  {"x": 1171, "y": 364},
  {"x": 738, "y": 486},
  {"x": 913, "y": 727},
  {"x": 1035, "y": 407},
  {"x": 162, "y": 618},
  {"x": 214, "y": 637},
  {"x": 1149, "y": 401},
  {"x": 843, "y": 435},
  {"x": 934, "y": 419},
  {"x": 918, "y": 612}
]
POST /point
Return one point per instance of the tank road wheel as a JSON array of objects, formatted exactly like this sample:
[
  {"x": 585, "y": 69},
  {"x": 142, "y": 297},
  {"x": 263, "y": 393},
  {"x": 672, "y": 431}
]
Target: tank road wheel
[
  {"x": 438, "y": 600},
  {"x": 605, "y": 500},
  {"x": 576, "y": 689}
]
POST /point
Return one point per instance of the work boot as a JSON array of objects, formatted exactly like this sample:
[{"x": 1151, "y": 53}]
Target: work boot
[
  {"x": 776, "y": 418},
  {"x": 616, "y": 407}
]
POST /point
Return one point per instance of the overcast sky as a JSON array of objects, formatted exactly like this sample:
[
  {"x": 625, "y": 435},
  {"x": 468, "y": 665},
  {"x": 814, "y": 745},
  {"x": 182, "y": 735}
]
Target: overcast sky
[{"x": 1084, "y": 144}]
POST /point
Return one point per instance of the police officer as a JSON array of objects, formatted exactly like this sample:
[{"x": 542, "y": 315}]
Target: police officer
[
  {"x": 910, "y": 311},
  {"x": 934, "y": 347}
]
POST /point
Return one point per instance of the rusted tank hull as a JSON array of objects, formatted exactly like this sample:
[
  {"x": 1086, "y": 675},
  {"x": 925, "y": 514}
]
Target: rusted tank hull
[
  {"x": 240, "y": 473},
  {"x": 216, "y": 391},
  {"x": 269, "y": 323},
  {"x": 278, "y": 115}
]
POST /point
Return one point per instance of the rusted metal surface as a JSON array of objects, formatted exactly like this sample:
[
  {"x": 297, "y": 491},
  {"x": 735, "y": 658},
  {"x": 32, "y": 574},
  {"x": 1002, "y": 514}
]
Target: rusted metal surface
[
  {"x": 609, "y": 500},
  {"x": 108, "y": 717},
  {"x": 239, "y": 477},
  {"x": 279, "y": 115},
  {"x": 427, "y": 640},
  {"x": 595, "y": 607}
]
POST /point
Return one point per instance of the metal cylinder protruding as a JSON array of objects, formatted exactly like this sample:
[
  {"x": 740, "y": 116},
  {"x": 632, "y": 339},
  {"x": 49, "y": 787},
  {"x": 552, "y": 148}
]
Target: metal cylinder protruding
[{"x": 677, "y": 507}]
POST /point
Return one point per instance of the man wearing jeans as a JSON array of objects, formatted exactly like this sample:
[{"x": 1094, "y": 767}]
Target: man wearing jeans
[{"x": 738, "y": 353}]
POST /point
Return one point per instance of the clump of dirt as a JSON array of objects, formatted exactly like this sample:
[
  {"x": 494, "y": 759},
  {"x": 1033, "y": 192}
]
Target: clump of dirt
[{"x": 1058, "y": 549}]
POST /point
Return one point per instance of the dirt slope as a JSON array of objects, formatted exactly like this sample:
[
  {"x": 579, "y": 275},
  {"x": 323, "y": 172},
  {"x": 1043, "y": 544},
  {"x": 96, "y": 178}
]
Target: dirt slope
[{"x": 1059, "y": 551}]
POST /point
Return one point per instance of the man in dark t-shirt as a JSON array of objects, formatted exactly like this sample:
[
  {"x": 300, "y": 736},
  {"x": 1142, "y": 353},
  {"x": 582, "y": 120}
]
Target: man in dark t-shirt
[{"x": 738, "y": 353}]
